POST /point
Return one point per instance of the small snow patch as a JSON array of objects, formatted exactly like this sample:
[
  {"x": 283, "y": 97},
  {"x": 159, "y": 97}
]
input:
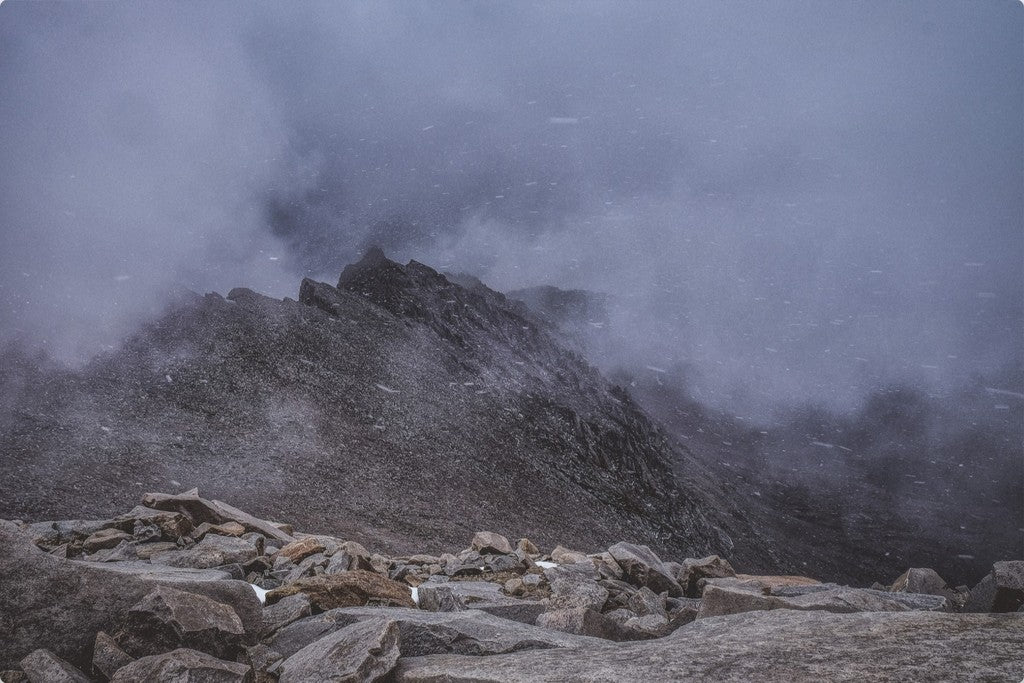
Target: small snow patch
[
  {"x": 386, "y": 390},
  {"x": 546, "y": 565},
  {"x": 260, "y": 593},
  {"x": 415, "y": 594}
]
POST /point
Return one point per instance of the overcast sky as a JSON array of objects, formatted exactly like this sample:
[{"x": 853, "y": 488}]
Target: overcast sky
[{"x": 800, "y": 200}]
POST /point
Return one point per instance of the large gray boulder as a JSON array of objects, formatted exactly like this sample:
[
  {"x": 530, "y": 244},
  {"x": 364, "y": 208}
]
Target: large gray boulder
[
  {"x": 167, "y": 619},
  {"x": 213, "y": 551},
  {"x": 721, "y": 600},
  {"x": 187, "y": 666},
  {"x": 781, "y": 645},
  {"x": 363, "y": 652},
  {"x": 61, "y": 605},
  {"x": 469, "y": 632},
  {"x": 641, "y": 567},
  {"x": 1002, "y": 590}
]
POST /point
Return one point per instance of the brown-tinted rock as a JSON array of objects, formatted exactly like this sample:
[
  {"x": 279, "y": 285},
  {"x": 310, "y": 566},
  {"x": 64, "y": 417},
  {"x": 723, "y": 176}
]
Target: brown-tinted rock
[
  {"x": 172, "y": 525},
  {"x": 363, "y": 652},
  {"x": 562, "y": 555},
  {"x": 226, "y": 529},
  {"x": 297, "y": 551},
  {"x": 527, "y": 546},
  {"x": 926, "y": 582},
  {"x": 42, "y": 666},
  {"x": 641, "y": 567},
  {"x": 107, "y": 655},
  {"x": 490, "y": 542},
  {"x": 104, "y": 539},
  {"x": 184, "y": 665},
  {"x": 168, "y": 618},
  {"x": 200, "y": 510},
  {"x": 348, "y": 589},
  {"x": 694, "y": 570}
]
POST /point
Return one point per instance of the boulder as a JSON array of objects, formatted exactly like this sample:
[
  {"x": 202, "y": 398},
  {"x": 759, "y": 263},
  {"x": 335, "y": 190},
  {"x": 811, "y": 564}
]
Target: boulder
[
  {"x": 641, "y": 567},
  {"x": 364, "y": 651},
  {"x": 61, "y": 604},
  {"x": 586, "y": 622},
  {"x": 200, "y": 510},
  {"x": 349, "y": 556},
  {"x": 720, "y": 600},
  {"x": 42, "y": 666},
  {"x": 168, "y": 618},
  {"x": 562, "y": 555},
  {"x": 926, "y": 582},
  {"x": 284, "y": 612},
  {"x": 1002, "y": 590},
  {"x": 570, "y": 589},
  {"x": 297, "y": 551},
  {"x": 226, "y": 529},
  {"x": 104, "y": 539},
  {"x": 107, "y": 656},
  {"x": 183, "y": 665},
  {"x": 489, "y": 542},
  {"x": 348, "y": 589},
  {"x": 172, "y": 525},
  {"x": 781, "y": 645},
  {"x": 470, "y": 632},
  {"x": 439, "y": 597},
  {"x": 213, "y": 551},
  {"x": 693, "y": 570}
]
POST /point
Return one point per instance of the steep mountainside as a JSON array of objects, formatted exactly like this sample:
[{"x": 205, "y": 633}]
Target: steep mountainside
[{"x": 399, "y": 409}]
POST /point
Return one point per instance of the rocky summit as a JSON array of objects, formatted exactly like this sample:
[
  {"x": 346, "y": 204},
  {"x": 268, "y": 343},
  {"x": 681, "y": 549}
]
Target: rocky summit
[
  {"x": 398, "y": 408},
  {"x": 184, "y": 588}
]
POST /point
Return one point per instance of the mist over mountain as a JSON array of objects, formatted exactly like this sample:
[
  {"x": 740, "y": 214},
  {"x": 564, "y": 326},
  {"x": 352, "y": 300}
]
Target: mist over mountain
[{"x": 798, "y": 204}]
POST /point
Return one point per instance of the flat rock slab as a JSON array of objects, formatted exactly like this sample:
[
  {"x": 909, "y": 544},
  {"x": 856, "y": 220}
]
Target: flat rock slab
[
  {"x": 469, "y": 632},
  {"x": 722, "y": 600},
  {"x": 782, "y": 645}
]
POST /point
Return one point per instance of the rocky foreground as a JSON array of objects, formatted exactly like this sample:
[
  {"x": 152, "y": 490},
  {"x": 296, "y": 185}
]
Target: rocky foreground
[{"x": 187, "y": 589}]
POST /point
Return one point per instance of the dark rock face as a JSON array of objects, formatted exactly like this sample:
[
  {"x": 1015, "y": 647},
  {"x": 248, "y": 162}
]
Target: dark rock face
[
  {"x": 781, "y": 645},
  {"x": 643, "y": 568},
  {"x": 299, "y": 400},
  {"x": 1000, "y": 591},
  {"x": 107, "y": 656}
]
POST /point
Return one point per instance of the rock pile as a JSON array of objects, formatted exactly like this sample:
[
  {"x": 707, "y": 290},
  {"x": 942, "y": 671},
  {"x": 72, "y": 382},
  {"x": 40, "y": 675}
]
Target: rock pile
[{"x": 185, "y": 588}]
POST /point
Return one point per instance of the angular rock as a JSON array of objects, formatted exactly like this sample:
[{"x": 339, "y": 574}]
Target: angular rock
[
  {"x": 284, "y": 612},
  {"x": 168, "y": 618},
  {"x": 364, "y": 651},
  {"x": 527, "y": 546},
  {"x": 42, "y": 666},
  {"x": 212, "y": 551},
  {"x": 722, "y": 600},
  {"x": 693, "y": 570},
  {"x": 1002, "y": 590},
  {"x": 172, "y": 525},
  {"x": 646, "y": 602},
  {"x": 926, "y": 582},
  {"x": 571, "y": 589},
  {"x": 107, "y": 655},
  {"x": 264, "y": 662},
  {"x": 348, "y": 589},
  {"x": 297, "y": 551},
  {"x": 561, "y": 555},
  {"x": 490, "y": 542},
  {"x": 61, "y": 604},
  {"x": 200, "y": 510},
  {"x": 586, "y": 622},
  {"x": 439, "y": 597},
  {"x": 470, "y": 632},
  {"x": 782, "y": 645},
  {"x": 641, "y": 567},
  {"x": 187, "y": 666},
  {"x": 226, "y": 529},
  {"x": 104, "y": 539}
]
